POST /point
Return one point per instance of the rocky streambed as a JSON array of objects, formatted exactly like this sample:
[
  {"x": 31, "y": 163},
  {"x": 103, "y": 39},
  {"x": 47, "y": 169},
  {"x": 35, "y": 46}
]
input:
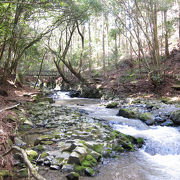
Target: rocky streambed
[
  {"x": 62, "y": 139},
  {"x": 74, "y": 137}
]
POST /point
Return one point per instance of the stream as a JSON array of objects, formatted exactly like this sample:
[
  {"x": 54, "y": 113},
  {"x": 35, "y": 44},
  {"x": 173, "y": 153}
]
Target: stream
[{"x": 158, "y": 159}]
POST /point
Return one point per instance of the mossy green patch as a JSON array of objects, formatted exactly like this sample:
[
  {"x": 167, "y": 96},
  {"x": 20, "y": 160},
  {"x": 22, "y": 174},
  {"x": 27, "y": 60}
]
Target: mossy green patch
[
  {"x": 112, "y": 105},
  {"x": 98, "y": 148},
  {"x": 56, "y": 135},
  {"x": 39, "y": 147},
  {"x": 140, "y": 140},
  {"x": 60, "y": 160},
  {"x": 4, "y": 173},
  {"x": 31, "y": 154},
  {"x": 119, "y": 149},
  {"x": 166, "y": 100},
  {"x": 44, "y": 154},
  {"x": 146, "y": 116},
  {"x": 75, "y": 174},
  {"x": 128, "y": 113},
  {"x": 78, "y": 168},
  {"x": 89, "y": 161},
  {"x": 47, "y": 142},
  {"x": 90, "y": 171},
  {"x": 86, "y": 163}
]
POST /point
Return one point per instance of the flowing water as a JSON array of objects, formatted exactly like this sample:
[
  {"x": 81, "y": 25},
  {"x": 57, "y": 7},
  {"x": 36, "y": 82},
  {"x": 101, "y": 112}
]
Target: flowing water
[{"x": 159, "y": 159}]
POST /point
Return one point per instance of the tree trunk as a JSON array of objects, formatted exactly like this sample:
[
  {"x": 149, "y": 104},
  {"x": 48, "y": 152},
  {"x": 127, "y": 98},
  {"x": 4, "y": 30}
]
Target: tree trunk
[
  {"x": 155, "y": 40},
  {"x": 3, "y": 48},
  {"x": 179, "y": 22},
  {"x": 61, "y": 72},
  {"x": 166, "y": 35},
  {"x": 116, "y": 51},
  {"x": 103, "y": 45},
  {"x": 90, "y": 46}
]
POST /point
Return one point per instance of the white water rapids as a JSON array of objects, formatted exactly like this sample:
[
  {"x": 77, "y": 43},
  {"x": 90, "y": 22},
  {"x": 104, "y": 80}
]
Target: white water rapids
[{"x": 159, "y": 159}]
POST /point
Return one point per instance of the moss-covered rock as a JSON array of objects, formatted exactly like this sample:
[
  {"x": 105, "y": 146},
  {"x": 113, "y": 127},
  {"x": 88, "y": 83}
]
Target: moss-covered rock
[
  {"x": 75, "y": 158},
  {"x": 44, "y": 154},
  {"x": 72, "y": 176},
  {"x": 89, "y": 171},
  {"x": 112, "y": 105},
  {"x": 98, "y": 148},
  {"x": 89, "y": 161},
  {"x": 47, "y": 142},
  {"x": 31, "y": 154},
  {"x": 166, "y": 100},
  {"x": 42, "y": 139},
  {"x": 39, "y": 148},
  {"x": 175, "y": 116},
  {"x": 79, "y": 169},
  {"x": 147, "y": 117},
  {"x": 128, "y": 113}
]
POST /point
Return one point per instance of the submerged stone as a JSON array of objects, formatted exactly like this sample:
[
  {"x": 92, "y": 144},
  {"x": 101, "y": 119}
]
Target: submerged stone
[
  {"x": 175, "y": 116},
  {"x": 72, "y": 176}
]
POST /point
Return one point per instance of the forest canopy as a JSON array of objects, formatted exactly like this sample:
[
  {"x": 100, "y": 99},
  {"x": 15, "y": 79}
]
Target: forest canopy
[{"x": 79, "y": 36}]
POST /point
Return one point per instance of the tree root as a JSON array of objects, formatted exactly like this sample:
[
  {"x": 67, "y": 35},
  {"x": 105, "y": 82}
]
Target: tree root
[
  {"x": 32, "y": 170},
  {"x": 11, "y": 107}
]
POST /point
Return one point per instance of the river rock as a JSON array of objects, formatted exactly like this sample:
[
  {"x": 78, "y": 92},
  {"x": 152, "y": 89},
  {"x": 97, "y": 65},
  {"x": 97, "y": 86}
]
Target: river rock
[
  {"x": 147, "y": 117},
  {"x": 68, "y": 168},
  {"x": 175, "y": 116},
  {"x": 127, "y": 113},
  {"x": 89, "y": 172},
  {"x": 112, "y": 105},
  {"x": 73, "y": 176},
  {"x": 54, "y": 167},
  {"x": 159, "y": 119},
  {"x": 31, "y": 154},
  {"x": 96, "y": 155},
  {"x": 43, "y": 138},
  {"x": 19, "y": 142},
  {"x": 74, "y": 158},
  {"x": 81, "y": 150},
  {"x": 68, "y": 147},
  {"x": 168, "y": 123},
  {"x": 58, "y": 154}
]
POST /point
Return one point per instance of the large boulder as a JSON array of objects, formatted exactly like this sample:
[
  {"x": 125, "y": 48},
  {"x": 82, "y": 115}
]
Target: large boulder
[
  {"x": 112, "y": 105},
  {"x": 175, "y": 116},
  {"x": 127, "y": 113},
  {"x": 147, "y": 117}
]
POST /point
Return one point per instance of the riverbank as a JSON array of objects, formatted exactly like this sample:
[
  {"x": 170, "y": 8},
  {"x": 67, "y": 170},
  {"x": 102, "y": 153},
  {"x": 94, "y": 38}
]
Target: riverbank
[{"x": 44, "y": 118}]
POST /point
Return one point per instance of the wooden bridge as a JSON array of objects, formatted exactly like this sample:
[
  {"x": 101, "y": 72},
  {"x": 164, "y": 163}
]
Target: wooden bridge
[{"x": 43, "y": 73}]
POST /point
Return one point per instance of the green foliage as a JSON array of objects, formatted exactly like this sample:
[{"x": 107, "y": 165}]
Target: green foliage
[{"x": 114, "y": 32}]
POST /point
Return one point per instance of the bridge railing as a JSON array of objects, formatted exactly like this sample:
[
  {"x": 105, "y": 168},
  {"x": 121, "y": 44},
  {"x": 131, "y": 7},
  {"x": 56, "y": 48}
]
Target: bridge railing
[{"x": 43, "y": 73}]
